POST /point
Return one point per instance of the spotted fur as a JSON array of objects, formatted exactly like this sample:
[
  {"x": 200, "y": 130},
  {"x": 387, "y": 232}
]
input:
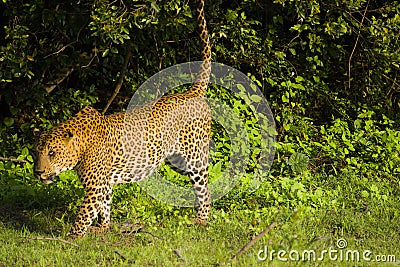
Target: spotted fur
[{"x": 173, "y": 127}]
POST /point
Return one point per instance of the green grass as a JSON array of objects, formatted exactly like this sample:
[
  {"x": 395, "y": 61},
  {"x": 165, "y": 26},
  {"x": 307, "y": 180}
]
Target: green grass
[{"x": 363, "y": 211}]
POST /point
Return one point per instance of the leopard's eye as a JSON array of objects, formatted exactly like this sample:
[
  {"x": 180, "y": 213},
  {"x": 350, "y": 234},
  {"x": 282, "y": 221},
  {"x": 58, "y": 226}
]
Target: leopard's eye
[{"x": 51, "y": 153}]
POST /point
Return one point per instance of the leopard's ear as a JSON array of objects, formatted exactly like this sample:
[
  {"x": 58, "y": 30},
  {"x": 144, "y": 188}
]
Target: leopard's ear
[
  {"x": 87, "y": 111},
  {"x": 36, "y": 132},
  {"x": 67, "y": 136}
]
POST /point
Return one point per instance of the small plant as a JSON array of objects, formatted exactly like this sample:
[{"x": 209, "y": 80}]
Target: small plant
[{"x": 298, "y": 162}]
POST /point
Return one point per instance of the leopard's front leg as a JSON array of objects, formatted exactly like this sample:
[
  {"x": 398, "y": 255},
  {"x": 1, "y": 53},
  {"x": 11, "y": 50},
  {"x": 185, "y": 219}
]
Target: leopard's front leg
[
  {"x": 104, "y": 213},
  {"x": 89, "y": 210}
]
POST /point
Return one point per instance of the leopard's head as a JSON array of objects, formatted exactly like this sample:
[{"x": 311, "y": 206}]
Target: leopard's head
[{"x": 55, "y": 153}]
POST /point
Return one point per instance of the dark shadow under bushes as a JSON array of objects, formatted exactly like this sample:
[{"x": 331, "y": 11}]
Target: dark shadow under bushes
[{"x": 25, "y": 203}]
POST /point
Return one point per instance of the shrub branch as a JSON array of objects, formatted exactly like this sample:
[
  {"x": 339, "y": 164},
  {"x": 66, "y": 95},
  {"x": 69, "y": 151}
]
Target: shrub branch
[
  {"x": 121, "y": 77},
  {"x": 13, "y": 160},
  {"x": 355, "y": 45}
]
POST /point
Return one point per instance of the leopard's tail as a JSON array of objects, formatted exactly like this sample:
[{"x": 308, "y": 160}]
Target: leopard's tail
[{"x": 199, "y": 87}]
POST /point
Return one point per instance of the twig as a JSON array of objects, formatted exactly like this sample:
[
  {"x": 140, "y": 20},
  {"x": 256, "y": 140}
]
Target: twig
[
  {"x": 394, "y": 81},
  {"x": 48, "y": 239},
  {"x": 121, "y": 77},
  {"x": 153, "y": 235},
  {"x": 140, "y": 230},
  {"x": 121, "y": 255},
  {"x": 90, "y": 62},
  {"x": 50, "y": 86},
  {"x": 355, "y": 45},
  {"x": 178, "y": 253},
  {"x": 158, "y": 53},
  {"x": 254, "y": 240},
  {"x": 69, "y": 44},
  {"x": 60, "y": 50},
  {"x": 13, "y": 160}
]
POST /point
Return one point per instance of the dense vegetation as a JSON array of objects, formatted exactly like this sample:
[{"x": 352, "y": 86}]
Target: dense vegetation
[{"x": 329, "y": 70}]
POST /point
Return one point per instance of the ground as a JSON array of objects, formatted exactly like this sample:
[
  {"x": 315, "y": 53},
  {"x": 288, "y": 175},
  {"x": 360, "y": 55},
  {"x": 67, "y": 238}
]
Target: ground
[
  {"x": 148, "y": 233},
  {"x": 313, "y": 212}
]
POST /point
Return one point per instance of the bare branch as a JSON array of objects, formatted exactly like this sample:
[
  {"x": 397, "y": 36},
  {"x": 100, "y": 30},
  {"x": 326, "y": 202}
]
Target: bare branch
[
  {"x": 50, "y": 87},
  {"x": 69, "y": 44},
  {"x": 178, "y": 253},
  {"x": 61, "y": 49},
  {"x": 123, "y": 257},
  {"x": 355, "y": 45},
  {"x": 90, "y": 62},
  {"x": 48, "y": 239},
  {"x": 121, "y": 77},
  {"x": 254, "y": 240},
  {"x": 394, "y": 83},
  {"x": 13, "y": 160}
]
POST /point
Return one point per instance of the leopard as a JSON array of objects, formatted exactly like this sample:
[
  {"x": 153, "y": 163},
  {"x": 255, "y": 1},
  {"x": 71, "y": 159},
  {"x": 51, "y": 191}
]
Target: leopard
[{"x": 106, "y": 150}]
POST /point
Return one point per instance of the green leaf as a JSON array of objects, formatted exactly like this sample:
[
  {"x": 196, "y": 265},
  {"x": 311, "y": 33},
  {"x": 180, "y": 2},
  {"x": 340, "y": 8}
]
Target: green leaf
[
  {"x": 298, "y": 162},
  {"x": 105, "y": 53},
  {"x": 255, "y": 98},
  {"x": 297, "y": 186},
  {"x": 8, "y": 121},
  {"x": 25, "y": 152},
  {"x": 155, "y": 7},
  {"x": 364, "y": 194},
  {"x": 216, "y": 169},
  {"x": 241, "y": 87},
  {"x": 374, "y": 188}
]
